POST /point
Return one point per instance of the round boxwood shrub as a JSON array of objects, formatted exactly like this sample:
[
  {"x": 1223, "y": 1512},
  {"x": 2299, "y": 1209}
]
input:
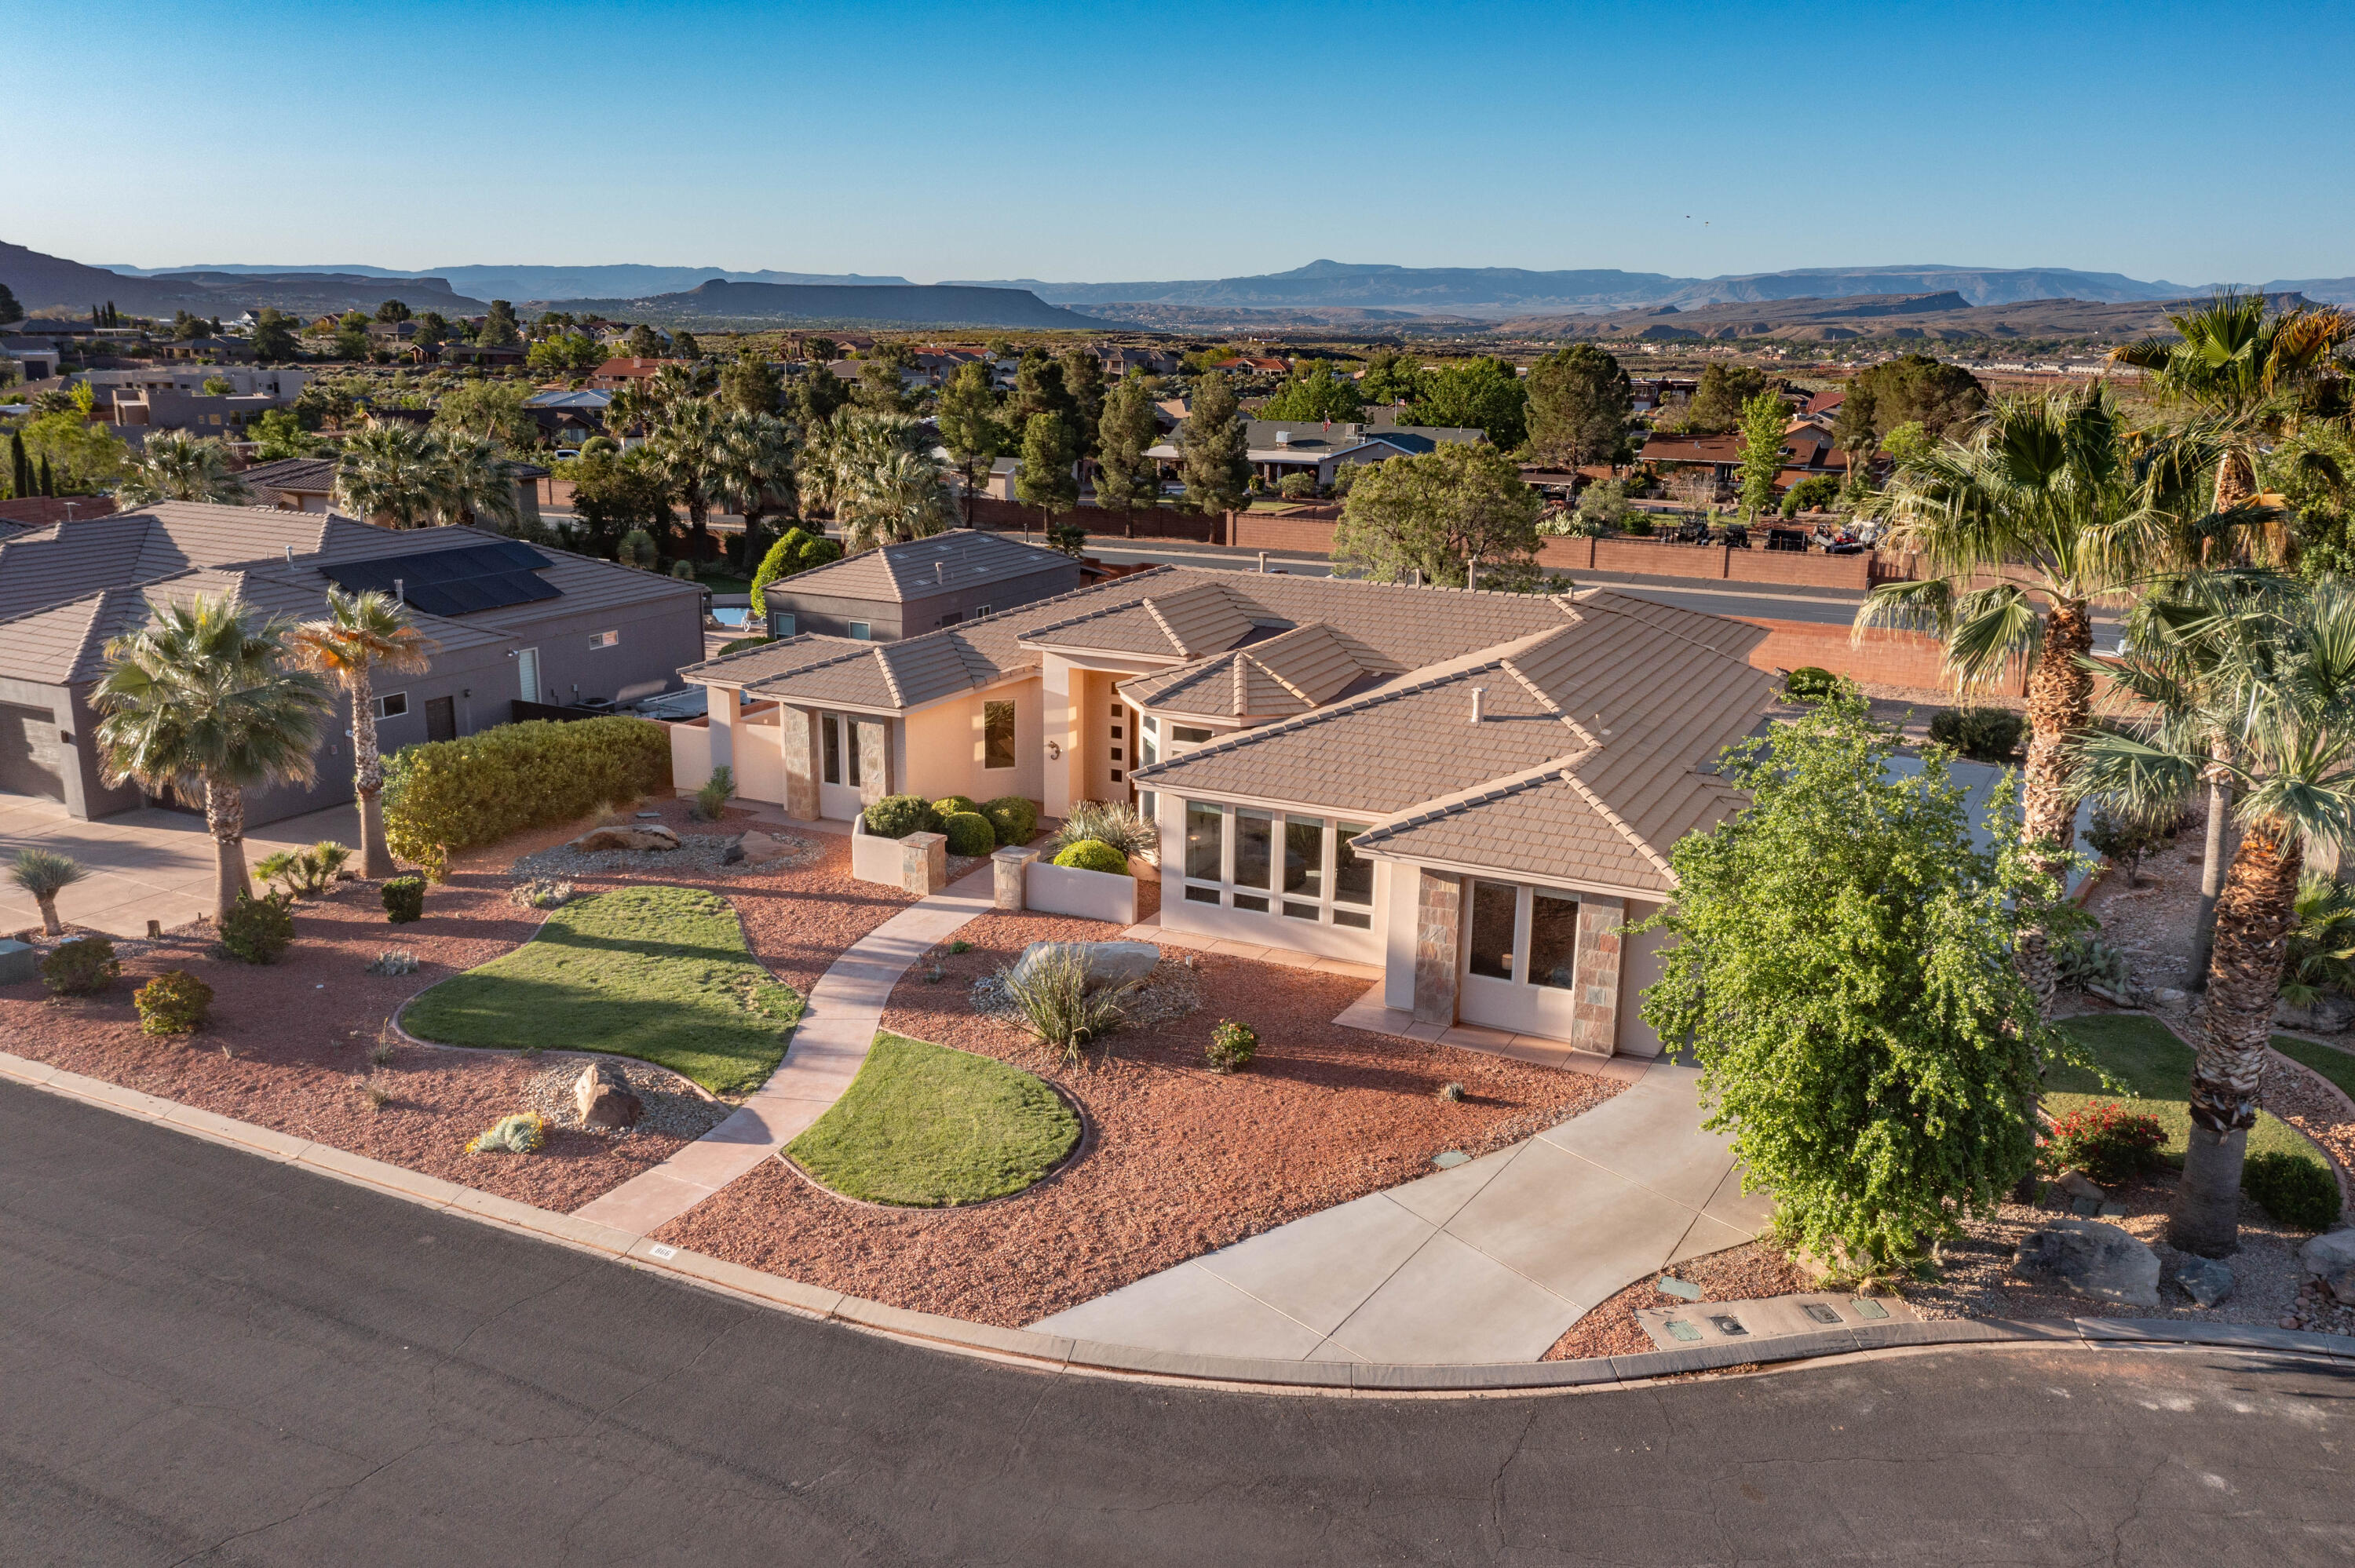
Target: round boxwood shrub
[
  {"x": 1983, "y": 735},
  {"x": 950, "y": 805},
  {"x": 1813, "y": 683},
  {"x": 83, "y": 967},
  {"x": 256, "y": 930},
  {"x": 969, "y": 833},
  {"x": 173, "y": 1003},
  {"x": 897, "y": 816},
  {"x": 1232, "y": 1046},
  {"x": 1094, "y": 854},
  {"x": 2296, "y": 1191},
  {"x": 1014, "y": 816},
  {"x": 404, "y": 899}
]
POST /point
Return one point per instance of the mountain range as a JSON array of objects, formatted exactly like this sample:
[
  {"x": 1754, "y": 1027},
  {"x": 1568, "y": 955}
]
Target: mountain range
[{"x": 535, "y": 284}]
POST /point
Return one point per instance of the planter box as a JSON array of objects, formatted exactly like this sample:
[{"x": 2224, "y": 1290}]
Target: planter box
[
  {"x": 1051, "y": 889},
  {"x": 918, "y": 863}
]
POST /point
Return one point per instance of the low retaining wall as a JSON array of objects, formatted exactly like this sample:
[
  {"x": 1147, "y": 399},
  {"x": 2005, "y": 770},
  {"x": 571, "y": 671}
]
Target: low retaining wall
[
  {"x": 1151, "y": 523},
  {"x": 1311, "y": 534},
  {"x": 918, "y": 863},
  {"x": 1051, "y": 889}
]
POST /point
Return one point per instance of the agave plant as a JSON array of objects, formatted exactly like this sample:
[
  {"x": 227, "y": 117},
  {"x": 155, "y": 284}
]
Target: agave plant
[{"x": 44, "y": 873}]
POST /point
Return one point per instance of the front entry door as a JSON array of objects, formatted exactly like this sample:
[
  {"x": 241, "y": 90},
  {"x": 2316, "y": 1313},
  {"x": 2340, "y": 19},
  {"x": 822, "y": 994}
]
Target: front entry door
[{"x": 837, "y": 791}]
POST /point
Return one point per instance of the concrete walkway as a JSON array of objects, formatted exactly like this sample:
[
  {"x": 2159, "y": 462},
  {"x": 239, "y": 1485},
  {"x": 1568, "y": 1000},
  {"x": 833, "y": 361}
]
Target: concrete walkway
[
  {"x": 1488, "y": 1262},
  {"x": 837, "y": 1025}
]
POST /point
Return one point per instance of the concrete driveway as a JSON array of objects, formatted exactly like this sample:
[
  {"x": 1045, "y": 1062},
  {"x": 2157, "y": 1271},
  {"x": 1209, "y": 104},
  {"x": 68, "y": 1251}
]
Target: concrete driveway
[
  {"x": 149, "y": 864},
  {"x": 1491, "y": 1261}
]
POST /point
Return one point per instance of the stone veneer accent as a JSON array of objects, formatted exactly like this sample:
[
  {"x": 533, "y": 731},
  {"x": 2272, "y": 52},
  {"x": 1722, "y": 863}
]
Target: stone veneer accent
[
  {"x": 1438, "y": 929},
  {"x": 874, "y": 760},
  {"x": 924, "y": 863},
  {"x": 1594, "y": 1016},
  {"x": 797, "y": 737},
  {"x": 1007, "y": 870}
]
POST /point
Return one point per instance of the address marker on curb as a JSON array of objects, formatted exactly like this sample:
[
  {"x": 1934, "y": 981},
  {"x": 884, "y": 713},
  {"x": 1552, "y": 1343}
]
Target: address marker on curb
[{"x": 658, "y": 1250}]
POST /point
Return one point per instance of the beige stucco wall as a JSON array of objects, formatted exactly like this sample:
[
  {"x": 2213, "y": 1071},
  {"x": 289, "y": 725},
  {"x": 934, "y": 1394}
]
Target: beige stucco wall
[{"x": 945, "y": 752}]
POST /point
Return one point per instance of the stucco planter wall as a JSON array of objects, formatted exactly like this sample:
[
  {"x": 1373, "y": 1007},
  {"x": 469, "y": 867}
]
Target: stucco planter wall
[
  {"x": 1051, "y": 889},
  {"x": 918, "y": 863}
]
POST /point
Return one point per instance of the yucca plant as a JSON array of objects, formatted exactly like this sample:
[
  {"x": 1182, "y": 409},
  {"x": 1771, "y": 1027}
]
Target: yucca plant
[
  {"x": 1114, "y": 822},
  {"x": 44, "y": 873},
  {"x": 1051, "y": 994},
  {"x": 307, "y": 872}
]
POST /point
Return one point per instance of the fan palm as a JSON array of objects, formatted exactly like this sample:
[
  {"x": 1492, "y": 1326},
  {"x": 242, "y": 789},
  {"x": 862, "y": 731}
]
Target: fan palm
[
  {"x": 632, "y": 408},
  {"x": 176, "y": 466},
  {"x": 676, "y": 383},
  {"x": 476, "y": 482},
  {"x": 2283, "y": 690},
  {"x": 204, "y": 698},
  {"x": 884, "y": 484},
  {"x": 393, "y": 476},
  {"x": 2026, "y": 525},
  {"x": 363, "y": 633},
  {"x": 756, "y": 465},
  {"x": 687, "y": 449}
]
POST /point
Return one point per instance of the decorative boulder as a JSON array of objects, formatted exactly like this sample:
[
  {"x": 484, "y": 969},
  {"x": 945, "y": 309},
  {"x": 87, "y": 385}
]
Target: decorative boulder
[
  {"x": 1103, "y": 963},
  {"x": 2331, "y": 1253},
  {"x": 604, "y": 1097},
  {"x": 648, "y": 836},
  {"x": 2204, "y": 1280},
  {"x": 2089, "y": 1258},
  {"x": 2341, "y": 1287},
  {"x": 759, "y": 848}
]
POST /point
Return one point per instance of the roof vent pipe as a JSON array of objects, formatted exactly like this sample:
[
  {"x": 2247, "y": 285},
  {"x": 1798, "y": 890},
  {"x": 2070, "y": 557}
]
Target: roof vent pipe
[
  {"x": 1415, "y": 577},
  {"x": 1479, "y": 703},
  {"x": 1262, "y": 563},
  {"x": 290, "y": 555},
  {"x": 400, "y": 591},
  {"x": 940, "y": 572}
]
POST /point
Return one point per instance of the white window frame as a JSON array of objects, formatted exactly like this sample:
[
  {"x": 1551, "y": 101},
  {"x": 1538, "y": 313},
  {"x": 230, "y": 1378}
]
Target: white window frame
[
  {"x": 604, "y": 639},
  {"x": 1326, "y": 903},
  {"x": 1525, "y": 897},
  {"x": 382, "y": 706},
  {"x": 863, "y": 630}
]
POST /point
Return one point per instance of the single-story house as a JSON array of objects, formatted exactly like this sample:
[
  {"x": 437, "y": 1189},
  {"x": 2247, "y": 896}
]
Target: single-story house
[
  {"x": 1474, "y": 791},
  {"x": 1321, "y": 448},
  {"x": 1808, "y": 451},
  {"x": 616, "y": 374},
  {"x": 32, "y": 358},
  {"x": 511, "y": 624},
  {"x": 917, "y": 586},
  {"x": 568, "y": 418}
]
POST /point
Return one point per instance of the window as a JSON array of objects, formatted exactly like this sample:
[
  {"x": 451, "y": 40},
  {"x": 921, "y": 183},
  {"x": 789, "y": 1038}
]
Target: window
[
  {"x": 1147, "y": 805},
  {"x": 980, "y": 609},
  {"x": 952, "y": 618},
  {"x": 1491, "y": 947},
  {"x": 1255, "y": 850},
  {"x": 780, "y": 623},
  {"x": 861, "y": 630},
  {"x": 1553, "y": 941},
  {"x": 392, "y": 705},
  {"x": 998, "y": 735},
  {"x": 1191, "y": 735},
  {"x": 1281, "y": 864},
  {"x": 1206, "y": 846},
  {"x": 1149, "y": 741},
  {"x": 832, "y": 728},
  {"x": 1353, "y": 879},
  {"x": 604, "y": 638}
]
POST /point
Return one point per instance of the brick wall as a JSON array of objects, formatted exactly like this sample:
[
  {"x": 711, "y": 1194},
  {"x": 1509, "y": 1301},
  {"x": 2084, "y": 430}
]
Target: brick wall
[
  {"x": 40, "y": 510},
  {"x": 1884, "y": 658},
  {"x": 1157, "y": 522}
]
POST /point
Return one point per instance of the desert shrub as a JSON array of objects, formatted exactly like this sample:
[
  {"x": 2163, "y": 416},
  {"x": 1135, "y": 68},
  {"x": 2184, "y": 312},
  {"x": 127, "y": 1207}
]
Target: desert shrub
[
  {"x": 1107, "y": 822},
  {"x": 1813, "y": 683},
  {"x": 541, "y": 892},
  {"x": 1983, "y": 735},
  {"x": 511, "y": 1135},
  {"x": 2126, "y": 839},
  {"x": 2082, "y": 959},
  {"x": 950, "y": 805},
  {"x": 897, "y": 816},
  {"x": 2106, "y": 1141},
  {"x": 80, "y": 967},
  {"x": 716, "y": 793},
  {"x": 969, "y": 833},
  {"x": 1053, "y": 997},
  {"x": 173, "y": 1003},
  {"x": 1232, "y": 1046},
  {"x": 1296, "y": 486},
  {"x": 1014, "y": 817},
  {"x": 404, "y": 899},
  {"x": 393, "y": 961},
  {"x": 454, "y": 794},
  {"x": 304, "y": 872},
  {"x": 1094, "y": 855},
  {"x": 2298, "y": 1192},
  {"x": 256, "y": 930},
  {"x": 1452, "y": 1093}
]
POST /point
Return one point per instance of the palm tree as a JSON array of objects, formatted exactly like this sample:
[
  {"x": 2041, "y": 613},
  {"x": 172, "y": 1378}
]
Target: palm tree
[
  {"x": 392, "y": 476},
  {"x": 632, "y": 407},
  {"x": 688, "y": 451},
  {"x": 2283, "y": 690},
  {"x": 476, "y": 482},
  {"x": 176, "y": 466},
  {"x": 2040, "y": 504},
  {"x": 678, "y": 382},
  {"x": 363, "y": 633},
  {"x": 44, "y": 873},
  {"x": 204, "y": 698},
  {"x": 756, "y": 465},
  {"x": 2244, "y": 369},
  {"x": 897, "y": 495}
]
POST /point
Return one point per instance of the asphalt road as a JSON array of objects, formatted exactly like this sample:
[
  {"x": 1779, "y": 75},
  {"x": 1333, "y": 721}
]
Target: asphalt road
[{"x": 206, "y": 1358}]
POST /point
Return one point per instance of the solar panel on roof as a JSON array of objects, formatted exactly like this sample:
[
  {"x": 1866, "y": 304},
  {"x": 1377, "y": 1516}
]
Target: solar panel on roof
[{"x": 453, "y": 582}]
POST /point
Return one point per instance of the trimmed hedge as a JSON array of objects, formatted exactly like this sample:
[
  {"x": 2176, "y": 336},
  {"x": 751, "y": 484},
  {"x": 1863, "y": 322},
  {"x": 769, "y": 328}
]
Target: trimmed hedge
[
  {"x": 83, "y": 966},
  {"x": 1094, "y": 854},
  {"x": 456, "y": 794},
  {"x": 950, "y": 805},
  {"x": 1014, "y": 816},
  {"x": 897, "y": 816},
  {"x": 2298, "y": 1192},
  {"x": 969, "y": 833},
  {"x": 404, "y": 899}
]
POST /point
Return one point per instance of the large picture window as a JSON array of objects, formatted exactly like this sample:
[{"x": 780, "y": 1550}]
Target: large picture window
[
  {"x": 1491, "y": 947},
  {"x": 1288, "y": 864},
  {"x": 1553, "y": 941},
  {"x": 1206, "y": 843},
  {"x": 998, "y": 735}
]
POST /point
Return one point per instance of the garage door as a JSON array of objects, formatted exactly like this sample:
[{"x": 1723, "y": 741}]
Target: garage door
[{"x": 32, "y": 759}]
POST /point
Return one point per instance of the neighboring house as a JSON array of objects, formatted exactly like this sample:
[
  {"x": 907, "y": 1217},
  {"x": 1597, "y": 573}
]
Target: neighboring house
[
  {"x": 391, "y": 335},
  {"x": 616, "y": 374},
  {"x": 159, "y": 399},
  {"x": 308, "y": 484},
  {"x": 920, "y": 585},
  {"x": 1826, "y": 402},
  {"x": 510, "y": 622},
  {"x": 477, "y": 354},
  {"x": 568, "y": 418},
  {"x": 1475, "y": 790},
  {"x": 204, "y": 350},
  {"x": 30, "y": 358},
  {"x": 1252, "y": 365},
  {"x": 1808, "y": 450},
  {"x": 1321, "y": 448}
]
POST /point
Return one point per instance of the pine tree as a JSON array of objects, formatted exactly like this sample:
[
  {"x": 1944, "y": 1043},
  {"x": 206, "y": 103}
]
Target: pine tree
[
  {"x": 1215, "y": 444},
  {"x": 970, "y": 428},
  {"x": 1046, "y": 480},
  {"x": 1125, "y": 478},
  {"x": 1083, "y": 383}
]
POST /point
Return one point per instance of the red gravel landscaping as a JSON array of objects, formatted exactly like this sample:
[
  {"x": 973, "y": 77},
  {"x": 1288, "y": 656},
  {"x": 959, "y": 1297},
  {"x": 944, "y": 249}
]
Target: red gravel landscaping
[
  {"x": 1751, "y": 1272},
  {"x": 289, "y": 1045},
  {"x": 1179, "y": 1162}
]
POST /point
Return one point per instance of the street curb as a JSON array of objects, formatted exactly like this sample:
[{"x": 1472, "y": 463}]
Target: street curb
[{"x": 1053, "y": 1352}]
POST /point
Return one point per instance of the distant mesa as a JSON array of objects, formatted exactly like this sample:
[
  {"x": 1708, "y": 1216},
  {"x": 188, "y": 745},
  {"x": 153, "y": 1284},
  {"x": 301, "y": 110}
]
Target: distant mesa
[{"x": 906, "y": 305}]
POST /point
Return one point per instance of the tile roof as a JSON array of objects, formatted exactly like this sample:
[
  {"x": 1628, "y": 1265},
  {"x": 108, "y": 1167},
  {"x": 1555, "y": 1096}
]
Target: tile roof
[
  {"x": 1275, "y": 677},
  {"x": 302, "y": 476},
  {"x": 914, "y": 568}
]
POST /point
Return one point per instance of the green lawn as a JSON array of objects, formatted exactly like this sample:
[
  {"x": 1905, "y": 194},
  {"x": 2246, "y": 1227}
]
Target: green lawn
[
  {"x": 928, "y": 1126},
  {"x": 660, "y": 973},
  {"x": 2146, "y": 1056},
  {"x": 724, "y": 584},
  {"x": 2336, "y": 1066}
]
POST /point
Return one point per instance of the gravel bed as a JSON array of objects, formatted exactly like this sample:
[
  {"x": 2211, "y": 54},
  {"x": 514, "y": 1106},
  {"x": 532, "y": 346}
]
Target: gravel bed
[
  {"x": 1182, "y": 1160},
  {"x": 673, "y": 1105},
  {"x": 703, "y": 854},
  {"x": 1754, "y": 1271},
  {"x": 1172, "y": 991}
]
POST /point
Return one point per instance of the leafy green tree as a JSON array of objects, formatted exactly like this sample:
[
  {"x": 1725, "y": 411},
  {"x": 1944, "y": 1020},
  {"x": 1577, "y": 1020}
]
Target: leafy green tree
[
  {"x": 794, "y": 552},
  {"x": 1316, "y": 393},
  {"x": 1083, "y": 383},
  {"x": 1837, "y": 961},
  {"x": 177, "y": 466},
  {"x": 393, "y": 311},
  {"x": 820, "y": 350},
  {"x": 970, "y": 428},
  {"x": 1445, "y": 515},
  {"x": 205, "y": 697},
  {"x": 751, "y": 384},
  {"x": 1914, "y": 388},
  {"x": 274, "y": 340},
  {"x": 433, "y": 330},
  {"x": 1214, "y": 452},
  {"x": 615, "y": 493},
  {"x": 361, "y": 635},
  {"x": 499, "y": 329},
  {"x": 1047, "y": 479},
  {"x": 352, "y": 341},
  {"x": 1476, "y": 394},
  {"x": 683, "y": 344},
  {"x": 80, "y": 456},
  {"x": 882, "y": 388},
  {"x": 643, "y": 343},
  {"x": 187, "y": 328},
  {"x": 1717, "y": 401},
  {"x": 1763, "y": 420},
  {"x": 1812, "y": 494},
  {"x": 1391, "y": 380},
  {"x": 1126, "y": 480},
  {"x": 1579, "y": 402},
  {"x": 817, "y": 396},
  {"x": 279, "y": 433},
  {"x": 488, "y": 411}
]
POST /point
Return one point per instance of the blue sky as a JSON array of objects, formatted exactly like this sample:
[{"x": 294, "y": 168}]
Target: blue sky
[{"x": 1115, "y": 141}]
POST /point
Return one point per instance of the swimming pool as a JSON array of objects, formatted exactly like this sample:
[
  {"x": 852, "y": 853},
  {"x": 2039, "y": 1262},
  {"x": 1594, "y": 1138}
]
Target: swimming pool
[{"x": 735, "y": 619}]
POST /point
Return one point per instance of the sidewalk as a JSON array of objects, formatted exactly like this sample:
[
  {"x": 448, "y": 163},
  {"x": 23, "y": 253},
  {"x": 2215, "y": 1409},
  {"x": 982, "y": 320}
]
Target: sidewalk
[
  {"x": 837, "y": 1025},
  {"x": 1489, "y": 1262}
]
